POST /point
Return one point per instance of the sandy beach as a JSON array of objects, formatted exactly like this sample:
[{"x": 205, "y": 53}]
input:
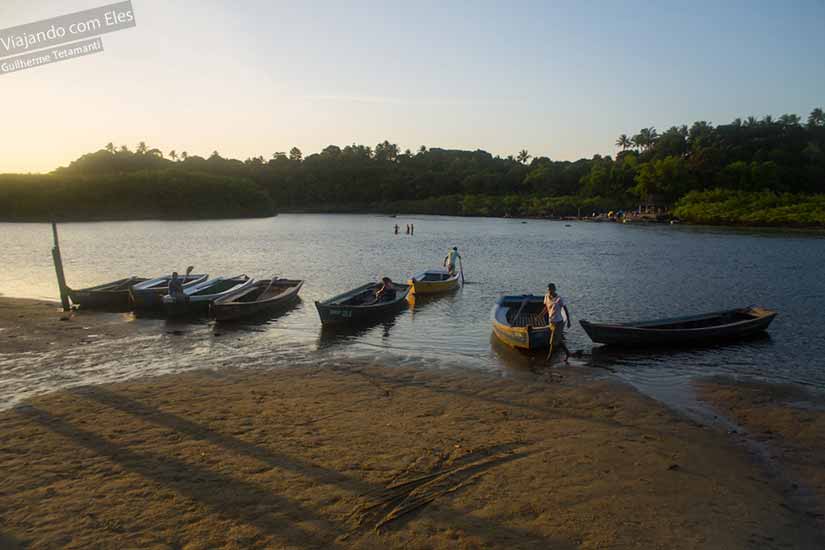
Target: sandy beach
[{"x": 387, "y": 457}]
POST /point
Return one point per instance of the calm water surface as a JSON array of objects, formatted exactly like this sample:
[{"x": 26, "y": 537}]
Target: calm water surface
[{"x": 606, "y": 272}]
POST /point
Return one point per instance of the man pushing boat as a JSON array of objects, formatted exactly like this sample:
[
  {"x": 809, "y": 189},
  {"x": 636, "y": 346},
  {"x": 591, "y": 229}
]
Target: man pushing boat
[{"x": 554, "y": 306}]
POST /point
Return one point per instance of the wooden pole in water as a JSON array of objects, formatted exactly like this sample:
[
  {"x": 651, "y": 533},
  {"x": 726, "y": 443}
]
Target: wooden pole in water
[{"x": 58, "y": 268}]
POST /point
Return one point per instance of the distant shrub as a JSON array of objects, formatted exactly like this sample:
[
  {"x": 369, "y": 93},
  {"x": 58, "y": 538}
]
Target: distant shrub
[
  {"x": 720, "y": 206},
  {"x": 133, "y": 195}
]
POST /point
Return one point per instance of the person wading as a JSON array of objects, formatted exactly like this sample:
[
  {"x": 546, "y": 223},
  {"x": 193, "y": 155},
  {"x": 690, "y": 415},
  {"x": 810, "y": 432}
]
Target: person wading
[{"x": 452, "y": 259}]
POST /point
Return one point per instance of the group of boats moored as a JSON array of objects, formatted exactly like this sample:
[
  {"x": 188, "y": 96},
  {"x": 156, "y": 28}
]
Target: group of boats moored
[
  {"x": 224, "y": 298},
  {"x": 519, "y": 321}
]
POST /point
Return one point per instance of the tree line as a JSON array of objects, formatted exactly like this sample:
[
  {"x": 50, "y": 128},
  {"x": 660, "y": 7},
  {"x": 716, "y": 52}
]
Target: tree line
[{"x": 682, "y": 166}]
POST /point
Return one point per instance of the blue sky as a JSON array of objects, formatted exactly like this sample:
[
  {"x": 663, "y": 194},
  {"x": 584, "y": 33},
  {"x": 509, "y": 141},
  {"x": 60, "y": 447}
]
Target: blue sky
[{"x": 561, "y": 79}]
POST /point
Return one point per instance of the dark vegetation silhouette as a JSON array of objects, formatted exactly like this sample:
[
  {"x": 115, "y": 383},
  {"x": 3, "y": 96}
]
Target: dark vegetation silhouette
[{"x": 762, "y": 172}]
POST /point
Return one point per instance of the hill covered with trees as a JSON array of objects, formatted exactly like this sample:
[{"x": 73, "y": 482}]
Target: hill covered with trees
[{"x": 756, "y": 171}]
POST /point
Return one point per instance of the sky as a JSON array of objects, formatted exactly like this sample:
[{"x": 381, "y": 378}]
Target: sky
[{"x": 560, "y": 79}]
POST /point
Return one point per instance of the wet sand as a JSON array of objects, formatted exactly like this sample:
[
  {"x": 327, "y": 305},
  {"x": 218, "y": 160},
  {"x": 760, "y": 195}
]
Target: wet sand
[
  {"x": 381, "y": 457},
  {"x": 784, "y": 427},
  {"x": 36, "y": 325}
]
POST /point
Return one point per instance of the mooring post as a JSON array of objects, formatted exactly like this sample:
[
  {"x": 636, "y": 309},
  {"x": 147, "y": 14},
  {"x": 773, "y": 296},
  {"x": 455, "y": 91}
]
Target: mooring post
[{"x": 58, "y": 268}]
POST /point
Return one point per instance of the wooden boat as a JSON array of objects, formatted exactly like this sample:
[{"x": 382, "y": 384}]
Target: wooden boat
[
  {"x": 113, "y": 295},
  {"x": 260, "y": 297},
  {"x": 720, "y": 325},
  {"x": 356, "y": 306},
  {"x": 433, "y": 281},
  {"x": 149, "y": 294},
  {"x": 519, "y": 321},
  {"x": 200, "y": 296}
]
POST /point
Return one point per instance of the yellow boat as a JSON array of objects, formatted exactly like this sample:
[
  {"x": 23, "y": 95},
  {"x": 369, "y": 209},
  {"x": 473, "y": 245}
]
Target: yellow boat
[{"x": 433, "y": 281}]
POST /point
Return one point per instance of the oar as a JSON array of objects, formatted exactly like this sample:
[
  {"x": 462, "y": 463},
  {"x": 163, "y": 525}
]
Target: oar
[
  {"x": 523, "y": 303},
  {"x": 461, "y": 269},
  {"x": 271, "y": 282},
  {"x": 552, "y": 337},
  {"x": 188, "y": 271}
]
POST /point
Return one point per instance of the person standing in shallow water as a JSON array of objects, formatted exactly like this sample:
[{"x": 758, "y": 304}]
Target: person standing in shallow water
[
  {"x": 412, "y": 229},
  {"x": 554, "y": 306},
  {"x": 396, "y": 229},
  {"x": 450, "y": 261}
]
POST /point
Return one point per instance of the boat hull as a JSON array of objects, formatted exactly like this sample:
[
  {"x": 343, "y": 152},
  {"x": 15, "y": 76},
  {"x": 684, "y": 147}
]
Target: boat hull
[
  {"x": 114, "y": 295},
  {"x": 146, "y": 299},
  {"x": 332, "y": 312},
  {"x": 527, "y": 337},
  {"x": 225, "y": 309},
  {"x": 421, "y": 287},
  {"x": 152, "y": 297},
  {"x": 199, "y": 298},
  {"x": 647, "y": 334}
]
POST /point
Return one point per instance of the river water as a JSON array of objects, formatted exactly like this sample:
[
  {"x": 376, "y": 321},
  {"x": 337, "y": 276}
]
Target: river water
[{"x": 605, "y": 272}]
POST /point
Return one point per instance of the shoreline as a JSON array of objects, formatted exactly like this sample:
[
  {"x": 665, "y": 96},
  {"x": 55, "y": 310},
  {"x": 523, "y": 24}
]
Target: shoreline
[
  {"x": 801, "y": 228},
  {"x": 389, "y": 456}
]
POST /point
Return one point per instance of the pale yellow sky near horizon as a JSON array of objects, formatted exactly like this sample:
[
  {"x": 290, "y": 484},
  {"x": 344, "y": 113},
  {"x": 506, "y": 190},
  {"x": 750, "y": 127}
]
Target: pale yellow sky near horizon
[{"x": 259, "y": 77}]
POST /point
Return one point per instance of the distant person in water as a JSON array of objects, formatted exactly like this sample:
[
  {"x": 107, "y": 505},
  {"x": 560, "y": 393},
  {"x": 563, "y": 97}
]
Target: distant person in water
[
  {"x": 386, "y": 291},
  {"x": 408, "y": 229},
  {"x": 396, "y": 229},
  {"x": 412, "y": 229},
  {"x": 176, "y": 288},
  {"x": 554, "y": 306},
  {"x": 451, "y": 260}
]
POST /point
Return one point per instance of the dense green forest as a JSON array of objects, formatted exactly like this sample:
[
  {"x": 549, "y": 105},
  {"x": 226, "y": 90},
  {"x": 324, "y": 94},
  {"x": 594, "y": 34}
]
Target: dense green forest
[{"x": 755, "y": 171}]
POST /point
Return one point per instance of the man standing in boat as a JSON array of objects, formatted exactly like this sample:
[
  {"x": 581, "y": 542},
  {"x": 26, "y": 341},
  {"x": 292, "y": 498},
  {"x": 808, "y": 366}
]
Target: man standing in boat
[
  {"x": 452, "y": 259},
  {"x": 176, "y": 288},
  {"x": 554, "y": 306}
]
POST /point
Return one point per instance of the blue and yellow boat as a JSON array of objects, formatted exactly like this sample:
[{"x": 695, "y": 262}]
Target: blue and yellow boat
[
  {"x": 519, "y": 321},
  {"x": 433, "y": 281}
]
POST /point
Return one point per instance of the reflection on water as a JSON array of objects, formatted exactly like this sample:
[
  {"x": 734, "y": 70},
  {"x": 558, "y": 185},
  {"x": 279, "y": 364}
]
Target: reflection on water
[
  {"x": 606, "y": 272},
  {"x": 331, "y": 335},
  {"x": 261, "y": 320}
]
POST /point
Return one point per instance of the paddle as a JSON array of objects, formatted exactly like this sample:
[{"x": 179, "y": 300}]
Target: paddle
[
  {"x": 188, "y": 271},
  {"x": 271, "y": 282},
  {"x": 461, "y": 269},
  {"x": 523, "y": 303},
  {"x": 552, "y": 338}
]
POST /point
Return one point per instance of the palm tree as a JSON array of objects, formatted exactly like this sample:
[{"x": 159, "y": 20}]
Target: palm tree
[
  {"x": 651, "y": 135},
  {"x": 751, "y": 121},
  {"x": 816, "y": 118},
  {"x": 523, "y": 156},
  {"x": 173, "y": 155},
  {"x": 110, "y": 147},
  {"x": 184, "y": 155},
  {"x": 141, "y": 148},
  {"x": 422, "y": 149},
  {"x": 624, "y": 142},
  {"x": 789, "y": 120},
  {"x": 646, "y": 138}
]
